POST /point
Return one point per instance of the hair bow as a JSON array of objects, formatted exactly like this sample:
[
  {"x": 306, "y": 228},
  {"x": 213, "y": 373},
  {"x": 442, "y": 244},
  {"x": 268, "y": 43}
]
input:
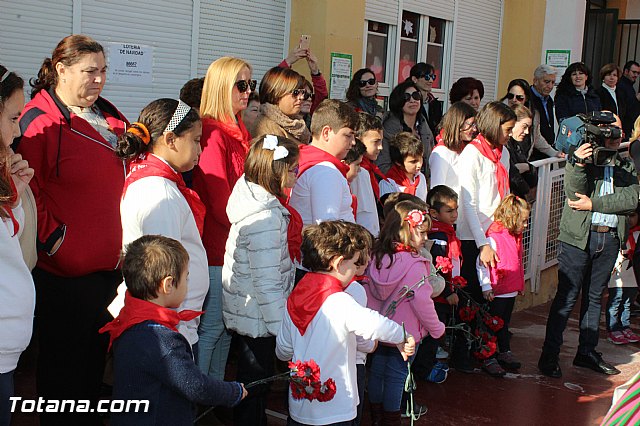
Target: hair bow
[
  {"x": 415, "y": 218},
  {"x": 270, "y": 142}
]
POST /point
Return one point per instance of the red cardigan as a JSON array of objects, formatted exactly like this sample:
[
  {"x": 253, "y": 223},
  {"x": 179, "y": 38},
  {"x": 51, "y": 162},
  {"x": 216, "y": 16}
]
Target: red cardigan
[
  {"x": 224, "y": 149},
  {"x": 77, "y": 186}
]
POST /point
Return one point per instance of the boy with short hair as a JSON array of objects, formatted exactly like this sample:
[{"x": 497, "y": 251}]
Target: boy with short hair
[
  {"x": 321, "y": 321},
  {"x": 406, "y": 152},
  {"x": 321, "y": 191},
  {"x": 365, "y": 187},
  {"x": 152, "y": 361}
]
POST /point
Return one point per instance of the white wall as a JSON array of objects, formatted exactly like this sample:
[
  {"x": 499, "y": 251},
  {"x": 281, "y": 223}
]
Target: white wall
[
  {"x": 564, "y": 27},
  {"x": 633, "y": 10}
]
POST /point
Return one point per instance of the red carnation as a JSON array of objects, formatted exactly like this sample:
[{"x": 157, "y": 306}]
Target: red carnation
[
  {"x": 327, "y": 391},
  {"x": 443, "y": 264},
  {"x": 494, "y": 323},
  {"x": 486, "y": 351},
  {"x": 468, "y": 313},
  {"x": 459, "y": 282}
]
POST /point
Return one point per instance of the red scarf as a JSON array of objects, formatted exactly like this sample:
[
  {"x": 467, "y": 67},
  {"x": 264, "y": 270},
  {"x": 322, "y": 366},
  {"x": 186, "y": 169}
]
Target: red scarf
[
  {"x": 631, "y": 242},
  {"x": 137, "y": 310},
  {"x": 150, "y": 165},
  {"x": 454, "y": 247},
  {"x": 440, "y": 139},
  {"x": 399, "y": 176},
  {"x": 294, "y": 230},
  {"x": 311, "y": 155},
  {"x": 308, "y": 296},
  {"x": 354, "y": 205},
  {"x": 375, "y": 174},
  {"x": 494, "y": 155},
  {"x": 237, "y": 130},
  {"x": 12, "y": 201},
  {"x": 498, "y": 227}
]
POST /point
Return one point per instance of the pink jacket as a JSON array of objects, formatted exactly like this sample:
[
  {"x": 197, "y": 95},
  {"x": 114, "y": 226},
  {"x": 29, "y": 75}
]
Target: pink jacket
[{"x": 418, "y": 312}]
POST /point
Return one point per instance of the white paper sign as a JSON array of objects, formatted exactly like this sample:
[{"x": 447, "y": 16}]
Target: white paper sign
[{"x": 130, "y": 63}]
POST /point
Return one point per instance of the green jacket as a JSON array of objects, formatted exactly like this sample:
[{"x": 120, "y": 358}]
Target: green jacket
[{"x": 575, "y": 225}]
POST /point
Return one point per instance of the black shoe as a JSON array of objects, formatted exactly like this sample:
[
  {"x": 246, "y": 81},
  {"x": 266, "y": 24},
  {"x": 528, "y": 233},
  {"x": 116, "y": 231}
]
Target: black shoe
[
  {"x": 549, "y": 366},
  {"x": 594, "y": 361}
]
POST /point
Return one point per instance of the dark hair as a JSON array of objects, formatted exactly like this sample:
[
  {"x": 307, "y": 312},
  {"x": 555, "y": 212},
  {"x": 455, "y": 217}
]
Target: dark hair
[
  {"x": 452, "y": 122},
  {"x": 491, "y": 118},
  {"x": 353, "y": 91},
  {"x": 524, "y": 85},
  {"x": 155, "y": 118},
  {"x": 260, "y": 167},
  {"x": 10, "y": 84},
  {"x": 463, "y": 87},
  {"x": 403, "y": 145},
  {"x": 355, "y": 152},
  {"x": 439, "y": 195},
  {"x": 150, "y": 259},
  {"x": 69, "y": 51},
  {"x": 335, "y": 114},
  {"x": 367, "y": 122},
  {"x": 277, "y": 83},
  {"x": 629, "y": 64},
  {"x": 325, "y": 241},
  {"x": 396, "y": 98},
  {"x": 420, "y": 69},
  {"x": 254, "y": 96},
  {"x": 566, "y": 86},
  {"x": 191, "y": 92}
]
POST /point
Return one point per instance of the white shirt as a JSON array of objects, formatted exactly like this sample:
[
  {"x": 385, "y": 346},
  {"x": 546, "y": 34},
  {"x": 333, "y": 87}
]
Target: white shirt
[
  {"x": 364, "y": 346},
  {"x": 322, "y": 193},
  {"x": 479, "y": 196},
  {"x": 443, "y": 165},
  {"x": 367, "y": 214},
  {"x": 388, "y": 186}
]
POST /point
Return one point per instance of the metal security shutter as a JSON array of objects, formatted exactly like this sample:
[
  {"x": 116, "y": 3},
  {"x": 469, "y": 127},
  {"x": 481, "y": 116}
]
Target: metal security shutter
[
  {"x": 476, "y": 49},
  {"x": 385, "y": 11},
  {"x": 28, "y": 34},
  {"x": 250, "y": 30},
  {"x": 443, "y": 9},
  {"x": 166, "y": 25}
]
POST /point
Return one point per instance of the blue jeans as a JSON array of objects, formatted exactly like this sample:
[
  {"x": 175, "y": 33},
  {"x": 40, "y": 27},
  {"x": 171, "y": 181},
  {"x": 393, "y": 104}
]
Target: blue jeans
[
  {"x": 6, "y": 392},
  {"x": 588, "y": 270},
  {"x": 619, "y": 307},
  {"x": 214, "y": 339},
  {"x": 387, "y": 377}
]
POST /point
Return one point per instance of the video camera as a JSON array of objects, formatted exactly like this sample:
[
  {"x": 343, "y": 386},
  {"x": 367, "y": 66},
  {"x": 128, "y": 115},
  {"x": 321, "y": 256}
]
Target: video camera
[{"x": 593, "y": 128}]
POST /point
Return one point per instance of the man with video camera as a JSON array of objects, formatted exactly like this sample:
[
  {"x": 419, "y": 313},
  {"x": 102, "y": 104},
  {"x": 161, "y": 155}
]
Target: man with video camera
[{"x": 601, "y": 187}]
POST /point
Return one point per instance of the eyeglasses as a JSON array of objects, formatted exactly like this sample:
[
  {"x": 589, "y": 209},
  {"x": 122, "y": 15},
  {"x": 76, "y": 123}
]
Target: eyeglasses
[
  {"x": 370, "y": 82},
  {"x": 510, "y": 96},
  {"x": 416, "y": 96},
  {"x": 243, "y": 85},
  {"x": 302, "y": 92},
  {"x": 468, "y": 126},
  {"x": 428, "y": 77}
]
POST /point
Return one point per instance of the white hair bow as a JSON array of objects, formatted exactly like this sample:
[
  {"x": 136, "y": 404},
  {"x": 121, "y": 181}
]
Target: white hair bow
[{"x": 271, "y": 143}]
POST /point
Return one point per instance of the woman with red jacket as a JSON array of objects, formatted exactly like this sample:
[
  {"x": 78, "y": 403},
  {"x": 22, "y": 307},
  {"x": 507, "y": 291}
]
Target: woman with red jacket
[
  {"x": 225, "y": 142},
  {"x": 68, "y": 136}
]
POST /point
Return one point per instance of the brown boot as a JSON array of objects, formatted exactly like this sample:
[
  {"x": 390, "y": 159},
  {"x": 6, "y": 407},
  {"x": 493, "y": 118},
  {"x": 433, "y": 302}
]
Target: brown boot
[
  {"x": 392, "y": 418},
  {"x": 376, "y": 414}
]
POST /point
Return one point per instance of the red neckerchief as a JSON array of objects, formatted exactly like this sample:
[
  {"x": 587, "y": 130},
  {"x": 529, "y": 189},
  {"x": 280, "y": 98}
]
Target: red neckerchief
[
  {"x": 237, "y": 130},
  {"x": 374, "y": 175},
  {"x": 294, "y": 230},
  {"x": 631, "y": 242},
  {"x": 308, "y": 296},
  {"x": 311, "y": 155},
  {"x": 12, "y": 201},
  {"x": 354, "y": 205},
  {"x": 454, "y": 247},
  {"x": 399, "y": 247},
  {"x": 498, "y": 227},
  {"x": 494, "y": 155},
  {"x": 150, "y": 165},
  {"x": 137, "y": 310},
  {"x": 440, "y": 139},
  {"x": 399, "y": 176}
]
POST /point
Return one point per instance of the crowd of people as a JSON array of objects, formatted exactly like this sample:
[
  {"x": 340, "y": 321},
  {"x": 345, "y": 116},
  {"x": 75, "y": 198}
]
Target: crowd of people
[{"x": 300, "y": 228}]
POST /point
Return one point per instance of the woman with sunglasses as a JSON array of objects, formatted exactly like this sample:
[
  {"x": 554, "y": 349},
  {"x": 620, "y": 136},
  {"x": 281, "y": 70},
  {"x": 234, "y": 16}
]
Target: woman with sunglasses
[
  {"x": 424, "y": 75},
  {"x": 225, "y": 142},
  {"x": 362, "y": 91},
  {"x": 575, "y": 94},
  {"x": 282, "y": 94},
  {"x": 404, "y": 115}
]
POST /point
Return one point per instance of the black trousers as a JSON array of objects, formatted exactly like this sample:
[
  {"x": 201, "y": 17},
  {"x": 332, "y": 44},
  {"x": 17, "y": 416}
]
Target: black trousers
[
  {"x": 468, "y": 271},
  {"x": 71, "y": 353},
  {"x": 502, "y": 307},
  {"x": 256, "y": 360}
]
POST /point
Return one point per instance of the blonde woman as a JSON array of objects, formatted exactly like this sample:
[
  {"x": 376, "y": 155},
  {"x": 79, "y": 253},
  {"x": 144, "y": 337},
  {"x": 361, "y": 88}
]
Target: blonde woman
[
  {"x": 282, "y": 93},
  {"x": 225, "y": 142}
]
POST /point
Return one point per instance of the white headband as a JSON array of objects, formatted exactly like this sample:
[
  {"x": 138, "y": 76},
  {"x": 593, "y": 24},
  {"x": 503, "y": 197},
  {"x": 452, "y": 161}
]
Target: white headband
[
  {"x": 178, "y": 115},
  {"x": 4, "y": 76},
  {"x": 271, "y": 143}
]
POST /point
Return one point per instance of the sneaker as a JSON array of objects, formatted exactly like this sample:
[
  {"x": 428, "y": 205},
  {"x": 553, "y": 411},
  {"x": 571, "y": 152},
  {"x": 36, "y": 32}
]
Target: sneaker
[
  {"x": 492, "y": 367},
  {"x": 507, "y": 360},
  {"x": 618, "y": 338},
  {"x": 418, "y": 410},
  {"x": 630, "y": 335},
  {"x": 438, "y": 373},
  {"x": 441, "y": 353}
]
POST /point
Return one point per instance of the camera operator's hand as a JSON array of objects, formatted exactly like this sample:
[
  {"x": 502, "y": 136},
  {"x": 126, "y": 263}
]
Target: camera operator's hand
[
  {"x": 583, "y": 203},
  {"x": 583, "y": 151}
]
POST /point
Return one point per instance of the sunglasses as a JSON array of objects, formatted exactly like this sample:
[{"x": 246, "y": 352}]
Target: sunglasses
[
  {"x": 370, "y": 82},
  {"x": 428, "y": 77},
  {"x": 416, "y": 96},
  {"x": 242, "y": 85},
  {"x": 510, "y": 96},
  {"x": 295, "y": 170},
  {"x": 305, "y": 95}
]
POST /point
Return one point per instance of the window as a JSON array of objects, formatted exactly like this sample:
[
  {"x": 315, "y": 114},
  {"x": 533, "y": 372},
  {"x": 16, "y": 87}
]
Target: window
[
  {"x": 409, "y": 33},
  {"x": 377, "y": 48},
  {"x": 435, "y": 48}
]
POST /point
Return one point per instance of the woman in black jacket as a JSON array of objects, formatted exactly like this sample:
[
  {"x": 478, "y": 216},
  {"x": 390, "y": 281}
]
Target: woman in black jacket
[
  {"x": 611, "y": 96},
  {"x": 575, "y": 94}
]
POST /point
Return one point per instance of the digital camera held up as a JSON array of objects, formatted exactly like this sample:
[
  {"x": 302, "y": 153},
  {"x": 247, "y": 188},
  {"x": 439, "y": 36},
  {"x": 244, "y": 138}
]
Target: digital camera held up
[{"x": 593, "y": 128}]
